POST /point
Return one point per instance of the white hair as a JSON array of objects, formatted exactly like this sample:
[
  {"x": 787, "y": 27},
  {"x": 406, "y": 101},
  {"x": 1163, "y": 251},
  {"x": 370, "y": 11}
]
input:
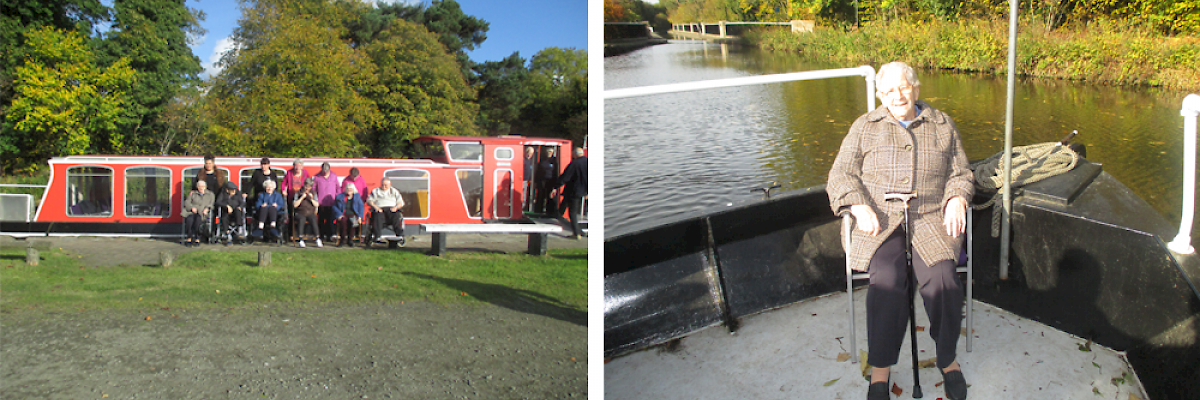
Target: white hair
[
  {"x": 201, "y": 182},
  {"x": 897, "y": 67},
  {"x": 269, "y": 183},
  {"x": 351, "y": 188}
]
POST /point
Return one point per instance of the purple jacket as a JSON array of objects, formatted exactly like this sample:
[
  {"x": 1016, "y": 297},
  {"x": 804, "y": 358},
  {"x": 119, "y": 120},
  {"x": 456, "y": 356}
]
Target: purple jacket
[{"x": 326, "y": 188}]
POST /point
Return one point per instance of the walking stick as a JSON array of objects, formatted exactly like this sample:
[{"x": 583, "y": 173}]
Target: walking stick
[{"x": 912, "y": 285}]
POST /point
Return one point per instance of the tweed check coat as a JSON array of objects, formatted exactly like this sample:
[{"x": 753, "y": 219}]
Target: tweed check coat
[{"x": 880, "y": 156}]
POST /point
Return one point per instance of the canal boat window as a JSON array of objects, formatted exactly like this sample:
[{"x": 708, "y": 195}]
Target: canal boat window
[
  {"x": 147, "y": 192},
  {"x": 470, "y": 182},
  {"x": 504, "y": 153},
  {"x": 248, "y": 173},
  {"x": 429, "y": 149},
  {"x": 189, "y": 179},
  {"x": 413, "y": 185},
  {"x": 89, "y": 191},
  {"x": 465, "y": 151}
]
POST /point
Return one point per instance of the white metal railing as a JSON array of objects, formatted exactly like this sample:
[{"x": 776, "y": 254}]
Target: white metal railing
[
  {"x": 1183, "y": 241},
  {"x": 865, "y": 71}
]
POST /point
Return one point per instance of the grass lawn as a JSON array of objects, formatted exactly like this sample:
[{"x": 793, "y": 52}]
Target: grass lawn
[{"x": 555, "y": 283}]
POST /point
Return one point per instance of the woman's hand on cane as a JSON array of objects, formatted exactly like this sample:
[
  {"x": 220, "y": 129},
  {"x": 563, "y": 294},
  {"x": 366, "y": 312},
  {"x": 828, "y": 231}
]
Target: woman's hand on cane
[{"x": 865, "y": 218}]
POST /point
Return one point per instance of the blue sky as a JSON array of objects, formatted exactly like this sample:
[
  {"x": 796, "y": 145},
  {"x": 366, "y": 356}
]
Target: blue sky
[{"x": 527, "y": 26}]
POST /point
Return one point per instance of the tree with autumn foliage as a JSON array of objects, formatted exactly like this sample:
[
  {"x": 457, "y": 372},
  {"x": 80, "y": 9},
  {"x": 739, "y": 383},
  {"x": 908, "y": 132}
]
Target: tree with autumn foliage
[
  {"x": 63, "y": 102},
  {"x": 291, "y": 86}
]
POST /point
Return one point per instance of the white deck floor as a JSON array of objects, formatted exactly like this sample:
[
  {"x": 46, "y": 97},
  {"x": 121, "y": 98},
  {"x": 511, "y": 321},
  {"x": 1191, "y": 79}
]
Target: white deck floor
[{"x": 792, "y": 352}]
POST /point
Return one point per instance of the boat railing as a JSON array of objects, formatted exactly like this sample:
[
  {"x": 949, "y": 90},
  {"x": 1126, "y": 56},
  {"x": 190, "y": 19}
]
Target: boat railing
[
  {"x": 1190, "y": 110},
  {"x": 865, "y": 71}
]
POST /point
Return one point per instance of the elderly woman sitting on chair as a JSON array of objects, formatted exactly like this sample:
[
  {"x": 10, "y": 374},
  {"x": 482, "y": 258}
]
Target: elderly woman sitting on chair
[{"x": 905, "y": 146}]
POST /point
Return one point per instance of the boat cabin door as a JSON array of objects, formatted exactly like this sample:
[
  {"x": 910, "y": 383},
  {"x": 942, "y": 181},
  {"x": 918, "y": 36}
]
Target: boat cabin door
[{"x": 500, "y": 166}]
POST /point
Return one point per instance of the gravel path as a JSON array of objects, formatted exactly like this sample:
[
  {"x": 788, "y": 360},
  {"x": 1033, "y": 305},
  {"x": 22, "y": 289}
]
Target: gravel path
[
  {"x": 380, "y": 351},
  {"x": 414, "y": 350}
]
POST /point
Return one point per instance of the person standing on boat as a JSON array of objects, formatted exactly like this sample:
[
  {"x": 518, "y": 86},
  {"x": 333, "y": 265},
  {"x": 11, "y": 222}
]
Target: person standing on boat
[
  {"x": 326, "y": 188},
  {"x": 546, "y": 179},
  {"x": 905, "y": 145},
  {"x": 215, "y": 178},
  {"x": 530, "y": 166},
  {"x": 260, "y": 177},
  {"x": 574, "y": 181},
  {"x": 197, "y": 206}
]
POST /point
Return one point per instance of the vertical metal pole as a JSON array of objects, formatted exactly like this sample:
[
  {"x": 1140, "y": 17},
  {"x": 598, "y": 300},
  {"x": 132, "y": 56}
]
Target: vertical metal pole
[
  {"x": 1190, "y": 110},
  {"x": 1005, "y": 218}
]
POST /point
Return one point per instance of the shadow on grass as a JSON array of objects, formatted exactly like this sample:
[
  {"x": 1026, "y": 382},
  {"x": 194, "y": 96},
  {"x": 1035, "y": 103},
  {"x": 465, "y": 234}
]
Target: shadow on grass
[
  {"x": 13, "y": 257},
  {"x": 514, "y": 299},
  {"x": 570, "y": 256}
]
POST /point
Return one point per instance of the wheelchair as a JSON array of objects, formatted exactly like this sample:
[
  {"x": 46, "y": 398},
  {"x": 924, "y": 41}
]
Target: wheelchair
[
  {"x": 237, "y": 231},
  {"x": 393, "y": 234},
  {"x": 267, "y": 234}
]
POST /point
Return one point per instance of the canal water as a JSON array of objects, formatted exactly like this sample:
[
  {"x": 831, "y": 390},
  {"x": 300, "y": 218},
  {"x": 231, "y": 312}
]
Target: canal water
[{"x": 672, "y": 155}]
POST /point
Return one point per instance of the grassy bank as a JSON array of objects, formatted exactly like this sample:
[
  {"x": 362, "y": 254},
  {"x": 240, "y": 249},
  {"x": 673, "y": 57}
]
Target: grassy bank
[
  {"x": 1101, "y": 53},
  {"x": 231, "y": 279}
]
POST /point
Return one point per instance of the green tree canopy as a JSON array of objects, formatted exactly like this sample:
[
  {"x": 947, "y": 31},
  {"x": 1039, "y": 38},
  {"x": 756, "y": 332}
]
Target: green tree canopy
[
  {"x": 63, "y": 102},
  {"x": 422, "y": 91},
  {"x": 503, "y": 92},
  {"x": 153, "y": 35},
  {"x": 558, "y": 84},
  {"x": 291, "y": 86}
]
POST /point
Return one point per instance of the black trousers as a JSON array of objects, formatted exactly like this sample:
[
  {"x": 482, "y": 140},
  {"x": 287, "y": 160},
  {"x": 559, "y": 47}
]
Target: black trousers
[
  {"x": 546, "y": 204},
  {"x": 887, "y": 303},
  {"x": 395, "y": 219},
  {"x": 236, "y": 218},
  {"x": 574, "y": 207},
  {"x": 268, "y": 215},
  {"x": 192, "y": 224},
  {"x": 302, "y": 219},
  {"x": 326, "y": 220}
]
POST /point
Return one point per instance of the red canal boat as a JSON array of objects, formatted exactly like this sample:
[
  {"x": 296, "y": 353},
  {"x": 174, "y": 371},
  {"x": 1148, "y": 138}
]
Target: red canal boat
[{"x": 458, "y": 180}]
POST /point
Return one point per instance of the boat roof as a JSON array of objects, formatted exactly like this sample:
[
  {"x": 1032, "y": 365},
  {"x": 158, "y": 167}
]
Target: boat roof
[
  {"x": 279, "y": 162},
  {"x": 504, "y": 138},
  {"x": 798, "y": 351}
]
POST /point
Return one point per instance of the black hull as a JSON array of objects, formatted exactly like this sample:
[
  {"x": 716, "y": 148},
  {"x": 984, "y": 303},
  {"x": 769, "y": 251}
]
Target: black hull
[
  {"x": 1087, "y": 258},
  {"x": 91, "y": 229}
]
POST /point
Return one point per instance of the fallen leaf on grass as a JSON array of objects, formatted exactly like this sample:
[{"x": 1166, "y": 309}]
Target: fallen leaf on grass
[
  {"x": 314, "y": 276},
  {"x": 831, "y": 382},
  {"x": 896, "y": 390},
  {"x": 148, "y": 318},
  {"x": 218, "y": 291},
  {"x": 843, "y": 357},
  {"x": 464, "y": 293},
  {"x": 381, "y": 268},
  {"x": 572, "y": 359}
]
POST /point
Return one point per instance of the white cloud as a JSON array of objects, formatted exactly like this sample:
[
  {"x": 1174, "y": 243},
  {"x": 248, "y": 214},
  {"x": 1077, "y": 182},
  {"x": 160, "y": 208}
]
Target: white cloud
[{"x": 223, "y": 45}]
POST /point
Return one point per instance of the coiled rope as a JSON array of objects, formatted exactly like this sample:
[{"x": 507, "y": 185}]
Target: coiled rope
[{"x": 1030, "y": 164}]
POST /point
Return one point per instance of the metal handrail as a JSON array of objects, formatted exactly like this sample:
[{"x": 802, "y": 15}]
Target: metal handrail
[
  {"x": 866, "y": 71},
  {"x": 1183, "y": 241},
  {"x": 24, "y": 185}
]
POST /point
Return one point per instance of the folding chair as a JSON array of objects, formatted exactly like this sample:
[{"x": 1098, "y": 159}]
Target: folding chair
[{"x": 851, "y": 275}]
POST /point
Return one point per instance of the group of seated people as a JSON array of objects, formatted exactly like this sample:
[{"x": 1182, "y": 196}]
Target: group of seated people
[{"x": 316, "y": 201}]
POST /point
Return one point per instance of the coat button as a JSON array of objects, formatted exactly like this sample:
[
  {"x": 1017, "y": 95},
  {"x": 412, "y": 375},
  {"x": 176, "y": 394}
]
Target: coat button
[
  {"x": 908, "y": 147},
  {"x": 904, "y": 180}
]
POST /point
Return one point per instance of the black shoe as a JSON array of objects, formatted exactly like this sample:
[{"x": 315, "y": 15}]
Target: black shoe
[
  {"x": 956, "y": 385},
  {"x": 879, "y": 391}
]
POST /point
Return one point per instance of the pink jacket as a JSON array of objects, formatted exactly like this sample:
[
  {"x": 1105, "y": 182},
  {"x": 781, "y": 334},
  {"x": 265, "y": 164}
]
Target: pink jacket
[
  {"x": 326, "y": 188},
  {"x": 360, "y": 183}
]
